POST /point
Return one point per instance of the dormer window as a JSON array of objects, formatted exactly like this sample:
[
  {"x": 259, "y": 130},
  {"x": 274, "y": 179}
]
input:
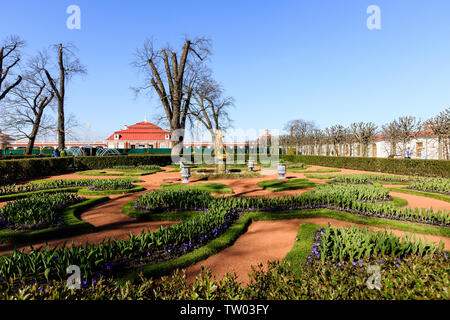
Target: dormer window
[
  {"x": 116, "y": 136},
  {"x": 167, "y": 136}
]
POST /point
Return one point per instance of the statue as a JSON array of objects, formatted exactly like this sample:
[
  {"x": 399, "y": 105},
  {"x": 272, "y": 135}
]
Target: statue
[{"x": 220, "y": 153}]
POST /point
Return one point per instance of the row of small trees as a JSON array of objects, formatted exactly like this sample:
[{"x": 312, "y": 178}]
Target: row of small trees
[{"x": 305, "y": 136}]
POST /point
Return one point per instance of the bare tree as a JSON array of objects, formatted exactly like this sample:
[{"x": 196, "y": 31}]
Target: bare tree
[
  {"x": 392, "y": 134},
  {"x": 408, "y": 128},
  {"x": 440, "y": 126},
  {"x": 9, "y": 59},
  {"x": 58, "y": 76},
  {"x": 364, "y": 134},
  {"x": 174, "y": 81},
  {"x": 26, "y": 106},
  {"x": 336, "y": 134},
  {"x": 210, "y": 107},
  {"x": 298, "y": 130}
]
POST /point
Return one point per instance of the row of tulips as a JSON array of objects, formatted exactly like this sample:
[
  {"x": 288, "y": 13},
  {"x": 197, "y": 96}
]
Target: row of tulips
[
  {"x": 112, "y": 256},
  {"x": 356, "y": 245},
  {"x": 369, "y": 178},
  {"x": 37, "y": 211},
  {"x": 111, "y": 184},
  {"x": 57, "y": 184},
  {"x": 440, "y": 185},
  {"x": 135, "y": 168},
  {"x": 367, "y": 200}
]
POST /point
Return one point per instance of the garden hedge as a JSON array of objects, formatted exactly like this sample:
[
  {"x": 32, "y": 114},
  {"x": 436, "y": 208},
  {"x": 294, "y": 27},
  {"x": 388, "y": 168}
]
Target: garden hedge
[
  {"x": 435, "y": 168},
  {"x": 12, "y": 171},
  {"x": 89, "y": 163}
]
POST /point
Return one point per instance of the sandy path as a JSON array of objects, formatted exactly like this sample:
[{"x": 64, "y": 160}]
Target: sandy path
[
  {"x": 267, "y": 241},
  {"x": 415, "y": 201}
]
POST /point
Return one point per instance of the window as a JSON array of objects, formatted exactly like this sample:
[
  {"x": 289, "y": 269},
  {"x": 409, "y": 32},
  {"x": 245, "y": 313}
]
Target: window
[
  {"x": 167, "y": 136},
  {"x": 116, "y": 136},
  {"x": 419, "y": 147}
]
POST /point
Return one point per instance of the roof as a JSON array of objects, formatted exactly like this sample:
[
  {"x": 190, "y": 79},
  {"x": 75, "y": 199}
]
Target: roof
[{"x": 142, "y": 131}]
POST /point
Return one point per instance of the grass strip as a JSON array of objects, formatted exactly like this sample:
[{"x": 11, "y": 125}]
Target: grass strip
[
  {"x": 73, "y": 226},
  {"x": 320, "y": 176},
  {"x": 114, "y": 173},
  {"x": 16, "y": 196},
  {"x": 212, "y": 187},
  {"x": 320, "y": 170},
  {"x": 283, "y": 185},
  {"x": 129, "y": 210},
  {"x": 434, "y": 195},
  {"x": 301, "y": 249},
  {"x": 88, "y": 192}
]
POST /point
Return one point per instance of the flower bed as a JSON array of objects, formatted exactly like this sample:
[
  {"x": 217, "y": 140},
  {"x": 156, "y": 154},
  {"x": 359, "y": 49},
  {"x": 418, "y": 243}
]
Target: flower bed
[
  {"x": 113, "y": 257},
  {"x": 36, "y": 212},
  {"x": 411, "y": 276},
  {"x": 51, "y": 184}
]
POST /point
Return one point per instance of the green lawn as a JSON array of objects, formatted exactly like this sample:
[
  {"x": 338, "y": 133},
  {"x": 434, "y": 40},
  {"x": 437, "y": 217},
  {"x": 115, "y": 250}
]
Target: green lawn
[
  {"x": 320, "y": 170},
  {"x": 283, "y": 185},
  {"x": 112, "y": 172},
  {"x": 320, "y": 176},
  {"x": 212, "y": 187}
]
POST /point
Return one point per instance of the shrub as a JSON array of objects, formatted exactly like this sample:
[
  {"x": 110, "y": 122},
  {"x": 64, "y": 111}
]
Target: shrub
[
  {"x": 26, "y": 169},
  {"x": 85, "y": 163}
]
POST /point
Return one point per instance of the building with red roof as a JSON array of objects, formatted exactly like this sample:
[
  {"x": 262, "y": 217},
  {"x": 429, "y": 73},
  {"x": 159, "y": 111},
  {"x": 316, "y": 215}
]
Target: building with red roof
[{"x": 141, "y": 135}]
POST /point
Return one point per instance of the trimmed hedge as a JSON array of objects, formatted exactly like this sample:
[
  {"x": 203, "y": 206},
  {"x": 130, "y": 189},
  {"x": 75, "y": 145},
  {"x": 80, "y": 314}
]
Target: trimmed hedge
[
  {"x": 419, "y": 167},
  {"x": 86, "y": 163},
  {"x": 12, "y": 171},
  {"x": 15, "y": 170}
]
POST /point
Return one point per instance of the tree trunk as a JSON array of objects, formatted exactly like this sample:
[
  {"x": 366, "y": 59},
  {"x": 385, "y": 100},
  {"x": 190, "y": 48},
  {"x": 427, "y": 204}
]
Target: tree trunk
[{"x": 61, "y": 124}]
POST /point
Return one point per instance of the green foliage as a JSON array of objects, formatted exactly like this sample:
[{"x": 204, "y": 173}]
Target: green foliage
[
  {"x": 369, "y": 178},
  {"x": 212, "y": 176},
  {"x": 291, "y": 151},
  {"x": 212, "y": 187},
  {"x": 25, "y": 169},
  {"x": 55, "y": 184},
  {"x": 35, "y": 212},
  {"x": 85, "y": 163},
  {"x": 415, "y": 278},
  {"x": 174, "y": 199},
  {"x": 435, "y": 168},
  {"x": 320, "y": 176},
  {"x": 439, "y": 185},
  {"x": 283, "y": 185},
  {"x": 111, "y": 184},
  {"x": 138, "y": 167}
]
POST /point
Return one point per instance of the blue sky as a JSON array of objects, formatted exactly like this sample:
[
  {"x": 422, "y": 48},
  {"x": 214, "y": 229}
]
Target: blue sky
[{"x": 280, "y": 60}]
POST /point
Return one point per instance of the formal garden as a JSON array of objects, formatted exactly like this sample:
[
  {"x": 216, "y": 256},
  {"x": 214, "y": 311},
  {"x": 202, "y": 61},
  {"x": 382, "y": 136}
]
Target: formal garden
[{"x": 142, "y": 227}]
